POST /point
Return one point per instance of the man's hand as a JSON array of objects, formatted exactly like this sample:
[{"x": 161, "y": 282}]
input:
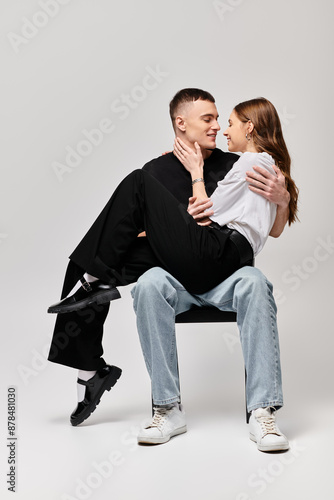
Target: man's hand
[
  {"x": 197, "y": 210},
  {"x": 268, "y": 185}
]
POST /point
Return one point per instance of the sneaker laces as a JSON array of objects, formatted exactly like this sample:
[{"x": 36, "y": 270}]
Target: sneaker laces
[
  {"x": 268, "y": 425},
  {"x": 159, "y": 418}
]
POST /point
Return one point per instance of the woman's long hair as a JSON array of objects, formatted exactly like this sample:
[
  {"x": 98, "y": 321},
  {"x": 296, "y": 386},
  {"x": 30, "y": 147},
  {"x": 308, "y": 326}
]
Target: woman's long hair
[{"x": 268, "y": 137}]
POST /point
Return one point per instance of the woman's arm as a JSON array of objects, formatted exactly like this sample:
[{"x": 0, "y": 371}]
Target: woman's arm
[
  {"x": 193, "y": 162},
  {"x": 272, "y": 188},
  {"x": 282, "y": 216}
]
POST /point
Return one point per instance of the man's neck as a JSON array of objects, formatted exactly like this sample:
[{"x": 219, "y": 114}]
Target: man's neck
[{"x": 206, "y": 153}]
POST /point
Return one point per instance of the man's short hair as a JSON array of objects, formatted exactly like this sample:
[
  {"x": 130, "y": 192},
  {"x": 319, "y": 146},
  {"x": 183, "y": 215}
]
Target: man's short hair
[{"x": 187, "y": 95}]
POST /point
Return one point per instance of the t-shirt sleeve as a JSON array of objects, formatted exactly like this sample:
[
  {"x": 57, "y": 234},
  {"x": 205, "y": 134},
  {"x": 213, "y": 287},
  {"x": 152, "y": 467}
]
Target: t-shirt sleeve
[{"x": 234, "y": 188}]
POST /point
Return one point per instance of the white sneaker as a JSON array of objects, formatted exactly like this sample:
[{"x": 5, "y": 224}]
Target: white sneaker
[
  {"x": 166, "y": 423},
  {"x": 264, "y": 431}
]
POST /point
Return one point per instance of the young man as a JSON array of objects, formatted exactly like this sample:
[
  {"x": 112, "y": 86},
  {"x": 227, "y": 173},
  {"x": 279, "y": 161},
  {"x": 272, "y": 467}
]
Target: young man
[
  {"x": 158, "y": 296},
  {"x": 78, "y": 334}
]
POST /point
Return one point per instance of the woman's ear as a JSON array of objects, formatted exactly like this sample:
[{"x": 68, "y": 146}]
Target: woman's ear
[
  {"x": 250, "y": 127},
  {"x": 180, "y": 123}
]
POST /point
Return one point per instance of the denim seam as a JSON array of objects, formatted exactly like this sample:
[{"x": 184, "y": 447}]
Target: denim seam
[
  {"x": 275, "y": 345},
  {"x": 172, "y": 350}
]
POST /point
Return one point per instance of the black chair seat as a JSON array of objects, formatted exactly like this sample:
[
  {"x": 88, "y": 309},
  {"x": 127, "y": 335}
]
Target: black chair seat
[{"x": 206, "y": 315}]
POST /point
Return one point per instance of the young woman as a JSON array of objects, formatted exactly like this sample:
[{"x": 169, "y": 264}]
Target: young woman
[{"x": 199, "y": 256}]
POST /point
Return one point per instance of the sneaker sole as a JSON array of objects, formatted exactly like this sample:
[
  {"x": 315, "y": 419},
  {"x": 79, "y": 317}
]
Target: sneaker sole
[
  {"x": 277, "y": 447},
  {"x": 109, "y": 383},
  {"x": 101, "y": 298},
  {"x": 161, "y": 440}
]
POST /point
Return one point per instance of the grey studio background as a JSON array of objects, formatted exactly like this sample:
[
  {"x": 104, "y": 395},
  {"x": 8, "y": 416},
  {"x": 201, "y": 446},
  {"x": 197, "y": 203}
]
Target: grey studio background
[{"x": 69, "y": 67}]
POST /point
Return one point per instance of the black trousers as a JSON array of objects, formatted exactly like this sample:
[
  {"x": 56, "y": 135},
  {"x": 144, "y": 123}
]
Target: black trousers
[
  {"x": 199, "y": 257},
  {"x": 77, "y": 336}
]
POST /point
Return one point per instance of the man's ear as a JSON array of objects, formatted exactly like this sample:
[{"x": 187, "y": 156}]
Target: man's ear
[{"x": 180, "y": 123}]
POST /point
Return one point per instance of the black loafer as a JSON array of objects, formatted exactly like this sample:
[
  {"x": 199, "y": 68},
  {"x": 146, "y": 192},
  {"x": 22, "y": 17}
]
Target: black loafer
[
  {"x": 103, "y": 380},
  {"x": 96, "y": 292}
]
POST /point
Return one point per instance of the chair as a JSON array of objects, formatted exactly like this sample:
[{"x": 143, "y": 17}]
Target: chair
[{"x": 209, "y": 315}]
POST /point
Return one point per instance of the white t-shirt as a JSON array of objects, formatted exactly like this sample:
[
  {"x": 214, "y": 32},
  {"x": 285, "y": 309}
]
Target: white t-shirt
[{"x": 236, "y": 206}]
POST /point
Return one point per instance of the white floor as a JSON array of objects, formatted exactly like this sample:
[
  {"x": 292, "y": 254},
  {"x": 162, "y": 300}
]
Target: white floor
[{"x": 214, "y": 460}]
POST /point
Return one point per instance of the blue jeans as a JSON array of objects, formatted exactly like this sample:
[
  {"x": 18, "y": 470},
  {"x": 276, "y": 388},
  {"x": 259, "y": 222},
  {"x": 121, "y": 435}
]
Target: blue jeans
[{"x": 158, "y": 297}]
